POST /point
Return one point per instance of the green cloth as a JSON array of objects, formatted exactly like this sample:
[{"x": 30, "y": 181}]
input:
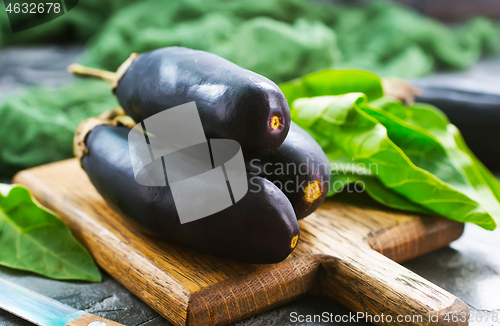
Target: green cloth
[
  {"x": 287, "y": 39},
  {"x": 81, "y": 23},
  {"x": 38, "y": 128},
  {"x": 280, "y": 39}
]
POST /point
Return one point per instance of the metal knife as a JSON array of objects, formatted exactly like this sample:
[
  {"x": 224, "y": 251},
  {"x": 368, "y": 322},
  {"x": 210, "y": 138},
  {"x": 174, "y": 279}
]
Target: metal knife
[{"x": 44, "y": 311}]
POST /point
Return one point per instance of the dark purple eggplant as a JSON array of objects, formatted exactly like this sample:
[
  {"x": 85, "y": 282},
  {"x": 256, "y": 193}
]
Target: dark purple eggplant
[
  {"x": 260, "y": 228},
  {"x": 234, "y": 103},
  {"x": 300, "y": 168}
]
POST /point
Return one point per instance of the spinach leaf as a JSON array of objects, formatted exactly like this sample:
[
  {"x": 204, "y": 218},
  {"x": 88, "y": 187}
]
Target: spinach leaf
[
  {"x": 490, "y": 180},
  {"x": 438, "y": 152},
  {"x": 354, "y": 134},
  {"x": 345, "y": 173},
  {"x": 333, "y": 82},
  {"x": 420, "y": 147},
  {"x": 428, "y": 122},
  {"x": 33, "y": 239},
  {"x": 436, "y": 123}
]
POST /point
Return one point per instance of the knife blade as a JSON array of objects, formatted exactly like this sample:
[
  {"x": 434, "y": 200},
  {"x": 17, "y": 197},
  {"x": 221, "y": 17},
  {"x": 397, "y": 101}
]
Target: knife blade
[{"x": 43, "y": 311}]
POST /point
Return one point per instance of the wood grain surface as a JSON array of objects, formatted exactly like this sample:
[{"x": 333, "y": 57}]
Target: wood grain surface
[{"x": 346, "y": 252}]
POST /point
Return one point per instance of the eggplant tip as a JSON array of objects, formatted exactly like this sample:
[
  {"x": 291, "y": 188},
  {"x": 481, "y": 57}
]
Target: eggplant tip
[
  {"x": 313, "y": 192},
  {"x": 275, "y": 122}
]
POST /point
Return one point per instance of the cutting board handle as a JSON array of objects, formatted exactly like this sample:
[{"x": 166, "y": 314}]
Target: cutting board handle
[
  {"x": 381, "y": 291},
  {"x": 336, "y": 256}
]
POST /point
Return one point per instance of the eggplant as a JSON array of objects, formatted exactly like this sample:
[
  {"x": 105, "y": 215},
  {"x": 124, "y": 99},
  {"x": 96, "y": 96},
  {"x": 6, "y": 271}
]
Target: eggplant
[
  {"x": 260, "y": 228},
  {"x": 300, "y": 168},
  {"x": 233, "y": 103}
]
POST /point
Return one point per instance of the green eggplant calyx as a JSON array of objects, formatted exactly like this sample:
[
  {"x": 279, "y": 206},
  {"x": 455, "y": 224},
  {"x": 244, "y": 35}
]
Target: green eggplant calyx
[
  {"x": 115, "y": 117},
  {"x": 79, "y": 70},
  {"x": 122, "y": 70},
  {"x": 112, "y": 77}
]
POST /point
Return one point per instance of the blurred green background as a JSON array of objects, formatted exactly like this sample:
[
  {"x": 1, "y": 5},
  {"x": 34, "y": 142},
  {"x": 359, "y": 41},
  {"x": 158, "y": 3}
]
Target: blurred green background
[{"x": 276, "y": 38}]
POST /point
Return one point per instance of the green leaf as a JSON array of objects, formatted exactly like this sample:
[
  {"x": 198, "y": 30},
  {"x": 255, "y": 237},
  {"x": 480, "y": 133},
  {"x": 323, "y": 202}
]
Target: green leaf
[
  {"x": 420, "y": 147},
  {"x": 32, "y": 238},
  {"x": 492, "y": 182},
  {"x": 427, "y": 121},
  {"x": 345, "y": 173},
  {"x": 354, "y": 134},
  {"x": 333, "y": 82},
  {"x": 482, "y": 184},
  {"x": 437, "y": 152},
  {"x": 436, "y": 123}
]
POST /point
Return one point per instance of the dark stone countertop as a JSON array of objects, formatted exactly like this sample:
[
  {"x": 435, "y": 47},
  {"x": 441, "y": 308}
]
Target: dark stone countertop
[{"x": 469, "y": 268}]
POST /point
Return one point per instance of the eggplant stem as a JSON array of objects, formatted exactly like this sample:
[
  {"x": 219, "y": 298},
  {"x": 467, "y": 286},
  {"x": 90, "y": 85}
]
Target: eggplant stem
[{"x": 80, "y": 70}]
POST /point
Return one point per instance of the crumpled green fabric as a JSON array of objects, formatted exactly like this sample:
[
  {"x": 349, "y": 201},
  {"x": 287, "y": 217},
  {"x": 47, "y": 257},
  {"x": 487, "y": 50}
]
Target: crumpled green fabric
[
  {"x": 280, "y": 39},
  {"x": 393, "y": 41},
  {"x": 38, "y": 127},
  {"x": 286, "y": 39},
  {"x": 77, "y": 26}
]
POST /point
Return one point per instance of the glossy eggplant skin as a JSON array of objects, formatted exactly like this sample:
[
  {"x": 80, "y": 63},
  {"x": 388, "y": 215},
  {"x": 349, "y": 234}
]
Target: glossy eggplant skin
[
  {"x": 260, "y": 228},
  {"x": 234, "y": 103},
  {"x": 300, "y": 168}
]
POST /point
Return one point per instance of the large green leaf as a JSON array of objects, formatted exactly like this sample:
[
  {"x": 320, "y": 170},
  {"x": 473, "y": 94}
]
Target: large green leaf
[
  {"x": 345, "y": 173},
  {"x": 437, "y": 124},
  {"x": 33, "y": 239},
  {"x": 354, "y": 134},
  {"x": 437, "y": 152},
  {"x": 424, "y": 121},
  {"x": 420, "y": 147},
  {"x": 333, "y": 82},
  {"x": 492, "y": 182}
]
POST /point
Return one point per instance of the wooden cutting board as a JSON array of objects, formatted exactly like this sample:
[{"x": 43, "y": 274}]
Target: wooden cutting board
[{"x": 346, "y": 252}]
